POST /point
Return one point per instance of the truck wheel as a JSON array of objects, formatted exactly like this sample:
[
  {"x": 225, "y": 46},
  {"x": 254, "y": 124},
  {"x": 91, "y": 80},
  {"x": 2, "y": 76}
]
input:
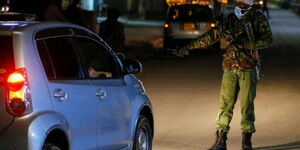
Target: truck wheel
[{"x": 143, "y": 135}]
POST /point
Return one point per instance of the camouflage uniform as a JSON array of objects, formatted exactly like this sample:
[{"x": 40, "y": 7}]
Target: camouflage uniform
[{"x": 239, "y": 76}]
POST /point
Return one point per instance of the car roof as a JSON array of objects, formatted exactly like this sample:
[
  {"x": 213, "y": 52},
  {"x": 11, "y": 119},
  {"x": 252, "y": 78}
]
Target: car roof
[
  {"x": 189, "y": 6},
  {"x": 16, "y": 16},
  {"x": 33, "y": 26}
]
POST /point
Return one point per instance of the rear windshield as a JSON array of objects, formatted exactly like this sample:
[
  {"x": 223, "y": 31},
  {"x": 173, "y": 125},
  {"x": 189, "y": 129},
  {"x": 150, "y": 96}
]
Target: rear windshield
[
  {"x": 7, "y": 58},
  {"x": 191, "y": 13}
]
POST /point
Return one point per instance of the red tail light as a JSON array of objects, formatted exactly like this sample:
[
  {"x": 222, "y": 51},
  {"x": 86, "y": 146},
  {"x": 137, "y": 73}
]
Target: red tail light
[
  {"x": 15, "y": 81},
  {"x": 18, "y": 101}
]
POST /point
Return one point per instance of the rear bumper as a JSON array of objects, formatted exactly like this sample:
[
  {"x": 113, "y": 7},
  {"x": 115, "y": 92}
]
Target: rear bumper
[
  {"x": 25, "y": 133},
  {"x": 15, "y": 137},
  {"x": 185, "y": 35},
  {"x": 29, "y": 132}
]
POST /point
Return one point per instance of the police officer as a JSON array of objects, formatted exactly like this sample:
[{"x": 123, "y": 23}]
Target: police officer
[{"x": 239, "y": 67}]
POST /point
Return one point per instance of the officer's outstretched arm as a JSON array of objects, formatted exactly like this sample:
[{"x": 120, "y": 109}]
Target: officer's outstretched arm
[{"x": 207, "y": 39}]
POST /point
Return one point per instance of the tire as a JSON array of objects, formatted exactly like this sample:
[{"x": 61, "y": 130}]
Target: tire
[
  {"x": 51, "y": 146},
  {"x": 143, "y": 135}
]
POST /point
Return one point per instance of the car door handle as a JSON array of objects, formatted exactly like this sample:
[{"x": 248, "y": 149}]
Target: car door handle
[
  {"x": 60, "y": 95},
  {"x": 101, "y": 94}
]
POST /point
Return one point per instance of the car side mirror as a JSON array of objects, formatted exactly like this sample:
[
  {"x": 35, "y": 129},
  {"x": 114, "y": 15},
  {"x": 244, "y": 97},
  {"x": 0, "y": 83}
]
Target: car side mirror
[{"x": 132, "y": 66}]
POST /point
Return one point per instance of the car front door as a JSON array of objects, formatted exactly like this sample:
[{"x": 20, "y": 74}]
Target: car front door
[
  {"x": 104, "y": 72},
  {"x": 71, "y": 93}
]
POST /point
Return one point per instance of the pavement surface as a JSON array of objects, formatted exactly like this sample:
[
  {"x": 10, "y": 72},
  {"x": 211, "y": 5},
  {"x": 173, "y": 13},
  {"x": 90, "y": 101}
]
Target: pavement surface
[{"x": 185, "y": 92}]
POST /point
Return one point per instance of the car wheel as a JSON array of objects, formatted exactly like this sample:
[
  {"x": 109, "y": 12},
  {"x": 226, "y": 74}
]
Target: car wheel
[
  {"x": 51, "y": 146},
  {"x": 143, "y": 135}
]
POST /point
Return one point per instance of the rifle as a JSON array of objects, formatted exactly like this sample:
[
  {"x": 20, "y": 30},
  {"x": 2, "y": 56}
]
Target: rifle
[{"x": 254, "y": 52}]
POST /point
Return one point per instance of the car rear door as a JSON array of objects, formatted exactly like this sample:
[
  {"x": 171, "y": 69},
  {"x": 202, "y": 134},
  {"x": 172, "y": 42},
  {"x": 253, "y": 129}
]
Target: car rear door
[
  {"x": 71, "y": 94},
  {"x": 114, "y": 107}
]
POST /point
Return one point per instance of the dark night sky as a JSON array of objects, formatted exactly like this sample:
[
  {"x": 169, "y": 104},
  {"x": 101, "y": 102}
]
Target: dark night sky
[{"x": 28, "y": 6}]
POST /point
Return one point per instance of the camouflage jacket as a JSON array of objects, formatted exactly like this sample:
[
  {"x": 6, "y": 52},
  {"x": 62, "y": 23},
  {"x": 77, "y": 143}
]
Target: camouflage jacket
[{"x": 237, "y": 57}]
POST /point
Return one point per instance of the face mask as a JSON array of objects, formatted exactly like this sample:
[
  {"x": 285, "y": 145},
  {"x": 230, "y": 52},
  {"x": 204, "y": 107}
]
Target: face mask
[{"x": 240, "y": 12}]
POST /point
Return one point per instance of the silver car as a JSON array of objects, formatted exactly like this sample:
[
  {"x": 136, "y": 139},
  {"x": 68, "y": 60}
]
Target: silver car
[
  {"x": 185, "y": 23},
  {"x": 63, "y": 88}
]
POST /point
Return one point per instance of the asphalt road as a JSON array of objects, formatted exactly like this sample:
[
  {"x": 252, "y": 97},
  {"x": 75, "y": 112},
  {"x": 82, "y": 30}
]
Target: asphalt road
[{"x": 185, "y": 94}]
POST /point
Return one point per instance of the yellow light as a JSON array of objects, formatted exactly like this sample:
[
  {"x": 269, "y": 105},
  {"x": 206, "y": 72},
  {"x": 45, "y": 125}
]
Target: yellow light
[
  {"x": 166, "y": 25},
  {"x": 212, "y": 24},
  {"x": 190, "y": 13},
  {"x": 175, "y": 2},
  {"x": 223, "y": 1},
  {"x": 203, "y": 3},
  {"x": 261, "y": 2},
  {"x": 16, "y": 94}
]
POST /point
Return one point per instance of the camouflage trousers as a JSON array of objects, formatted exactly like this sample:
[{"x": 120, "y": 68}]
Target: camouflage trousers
[{"x": 237, "y": 85}]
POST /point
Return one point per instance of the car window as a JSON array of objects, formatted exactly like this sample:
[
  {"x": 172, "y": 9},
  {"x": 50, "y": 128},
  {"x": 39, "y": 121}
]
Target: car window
[
  {"x": 190, "y": 14},
  {"x": 59, "y": 58},
  {"x": 100, "y": 63},
  {"x": 7, "y": 57},
  {"x": 54, "y": 32}
]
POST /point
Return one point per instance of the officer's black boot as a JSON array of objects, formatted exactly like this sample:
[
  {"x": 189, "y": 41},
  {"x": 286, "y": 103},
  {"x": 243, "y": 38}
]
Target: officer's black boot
[
  {"x": 216, "y": 141},
  {"x": 220, "y": 144},
  {"x": 247, "y": 144}
]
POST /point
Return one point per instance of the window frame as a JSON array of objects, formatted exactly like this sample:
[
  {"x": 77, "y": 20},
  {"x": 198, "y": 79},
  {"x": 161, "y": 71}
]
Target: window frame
[
  {"x": 117, "y": 63},
  {"x": 92, "y": 35},
  {"x": 72, "y": 33},
  {"x": 41, "y": 37}
]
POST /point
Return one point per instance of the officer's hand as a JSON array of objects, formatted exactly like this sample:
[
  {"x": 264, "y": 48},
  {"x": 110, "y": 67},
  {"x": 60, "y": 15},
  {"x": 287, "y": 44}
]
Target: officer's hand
[{"x": 250, "y": 46}]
